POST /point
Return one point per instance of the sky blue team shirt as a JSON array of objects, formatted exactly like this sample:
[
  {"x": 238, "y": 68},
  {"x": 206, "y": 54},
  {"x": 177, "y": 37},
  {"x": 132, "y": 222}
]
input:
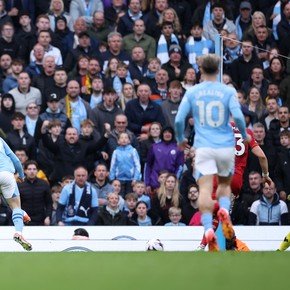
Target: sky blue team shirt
[
  {"x": 8, "y": 160},
  {"x": 211, "y": 104}
]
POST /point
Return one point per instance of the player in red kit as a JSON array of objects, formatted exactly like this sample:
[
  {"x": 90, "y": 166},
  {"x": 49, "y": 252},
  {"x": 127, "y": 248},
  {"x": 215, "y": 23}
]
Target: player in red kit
[{"x": 241, "y": 157}]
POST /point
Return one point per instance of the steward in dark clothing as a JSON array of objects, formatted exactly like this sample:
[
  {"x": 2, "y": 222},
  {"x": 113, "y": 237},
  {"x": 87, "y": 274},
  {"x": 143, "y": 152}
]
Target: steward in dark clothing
[
  {"x": 105, "y": 218},
  {"x": 36, "y": 200}
]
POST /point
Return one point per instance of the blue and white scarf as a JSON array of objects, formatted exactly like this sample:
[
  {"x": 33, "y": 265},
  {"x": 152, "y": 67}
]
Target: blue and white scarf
[
  {"x": 162, "y": 49},
  {"x": 88, "y": 8}
]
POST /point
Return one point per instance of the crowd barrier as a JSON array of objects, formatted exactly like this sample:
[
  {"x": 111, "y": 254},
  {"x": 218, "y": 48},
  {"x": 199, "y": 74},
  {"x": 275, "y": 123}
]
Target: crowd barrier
[{"x": 130, "y": 238}]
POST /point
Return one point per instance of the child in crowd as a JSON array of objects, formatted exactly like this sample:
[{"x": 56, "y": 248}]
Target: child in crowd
[
  {"x": 125, "y": 164},
  {"x": 122, "y": 77},
  {"x": 130, "y": 203},
  {"x": 139, "y": 189},
  {"x": 285, "y": 139},
  {"x": 117, "y": 188},
  {"x": 197, "y": 45},
  {"x": 55, "y": 194},
  {"x": 175, "y": 217},
  {"x": 154, "y": 65}
]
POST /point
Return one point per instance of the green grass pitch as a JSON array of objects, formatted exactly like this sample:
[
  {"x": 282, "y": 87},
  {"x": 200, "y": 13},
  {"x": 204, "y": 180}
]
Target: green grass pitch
[{"x": 145, "y": 271}]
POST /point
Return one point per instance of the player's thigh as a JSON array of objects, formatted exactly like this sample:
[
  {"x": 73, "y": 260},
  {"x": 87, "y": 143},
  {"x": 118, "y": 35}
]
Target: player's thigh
[
  {"x": 8, "y": 185},
  {"x": 205, "y": 163},
  {"x": 225, "y": 160}
]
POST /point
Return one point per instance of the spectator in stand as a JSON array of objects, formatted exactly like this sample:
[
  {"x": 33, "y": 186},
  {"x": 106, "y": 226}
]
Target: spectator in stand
[
  {"x": 35, "y": 196},
  {"x": 32, "y": 114},
  {"x": 255, "y": 103},
  {"x": 197, "y": 45},
  {"x": 176, "y": 66},
  {"x": 231, "y": 51},
  {"x": 153, "y": 137},
  {"x": 139, "y": 189},
  {"x": 94, "y": 70},
  {"x": 175, "y": 217},
  {"x": 56, "y": 10},
  {"x": 89, "y": 135},
  {"x": 268, "y": 210},
  {"x": 110, "y": 71},
  {"x": 80, "y": 69},
  {"x": 168, "y": 195},
  {"x": 244, "y": 19},
  {"x": 170, "y": 106},
  {"x": 271, "y": 113},
  {"x": 35, "y": 67},
  {"x": 219, "y": 22},
  {"x": 166, "y": 39},
  {"x": 122, "y": 76},
  {"x": 241, "y": 68},
  {"x": 71, "y": 40},
  {"x": 274, "y": 92},
  {"x": 170, "y": 16},
  {"x": 120, "y": 126},
  {"x": 154, "y": 65},
  {"x": 140, "y": 39},
  {"x": 160, "y": 89},
  {"x": 126, "y": 22},
  {"x": 69, "y": 152},
  {"x": 5, "y": 211},
  {"x": 276, "y": 70},
  {"x": 125, "y": 164},
  {"x": 45, "y": 80},
  {"x": 7, "y": 109},
  {"x": 144, "y": 216},
  {"x": 5, "y": 67},
  {"x": 55, "y": 194},
  {"x": 101, "y": 183},
  {"x": 256, "y": 80},
  {"x": 44, "y": 39},
  {"x": 277, "y": 126},
  {"x": 115, "y": 49},
  {"x": 111, "y": 215},
  {"x": 282, "y": 170},
  {"x": 142, "y": 112},
  {"x": 283, "y": 29},
  {"x": 106, "y": 111},
  {"x": 117, "y": 188},
  {"x": 96, "y": 96},
  {"x": 83, "y": 48},
  {"x": 242, "y": 204},
  {"x": 258, "y": 19},
  {"x": 113, "y": 13},
  {"x": 85, "y": 9},
  {"x": 190, "y": 207},
  {"x": 100, "y": 28},
  {"x": 4, "y": 17},
  {"x": 74, "y": 106},
  {"x": 128, "y": 94},
  {"x": 8, "y": 44},
  {"x": 78, "y": 202},
  {"x": 189, "y": 79},
  {"x": 10, "y": 81},
  {"x": 164, "y": 155},
  {"x": 19, "y": 138}
]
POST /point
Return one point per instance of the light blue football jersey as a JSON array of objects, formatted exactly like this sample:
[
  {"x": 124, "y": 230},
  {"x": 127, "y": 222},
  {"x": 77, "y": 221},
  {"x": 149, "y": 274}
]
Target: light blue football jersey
[{"x": 211, "y": 104}]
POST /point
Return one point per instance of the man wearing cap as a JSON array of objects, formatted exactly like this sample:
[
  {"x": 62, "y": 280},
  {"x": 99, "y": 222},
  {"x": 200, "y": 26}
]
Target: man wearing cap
[
  {"x": 244, "y": 19},
  {"x": 219, "y": 22},
  {"x": 83, "y": 48},
  {"x": 52, "y": 112},
  {"x": 176, "y": 66}
]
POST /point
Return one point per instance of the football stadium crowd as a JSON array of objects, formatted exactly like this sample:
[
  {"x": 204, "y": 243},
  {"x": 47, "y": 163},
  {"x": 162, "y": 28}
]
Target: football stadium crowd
[{"x": 89, "y": 94}]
